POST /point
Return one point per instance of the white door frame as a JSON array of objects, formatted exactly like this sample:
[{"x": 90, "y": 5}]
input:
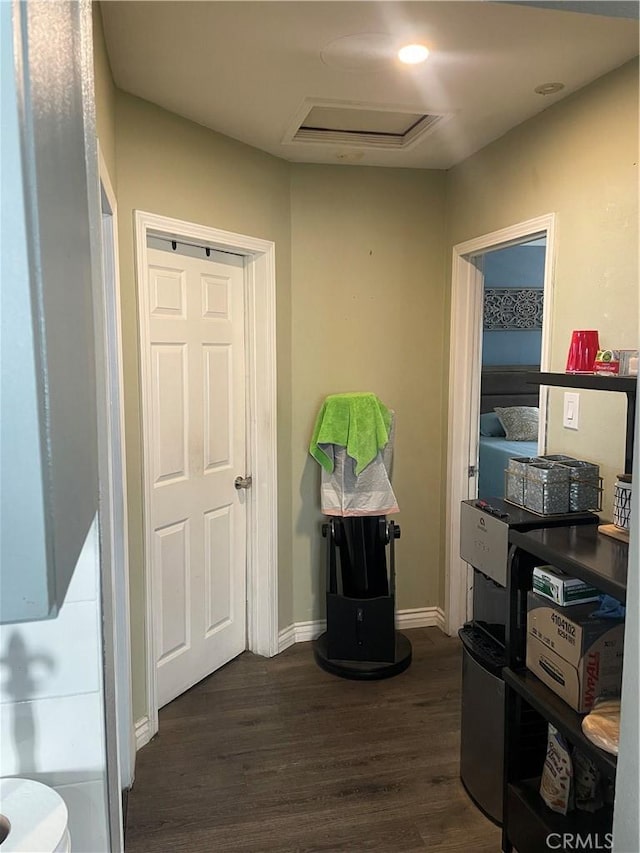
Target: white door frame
[
  {"x": 464, "y": 377},
  {"x": 260, "y": 334},
  {"x": 117, "y": 478}
]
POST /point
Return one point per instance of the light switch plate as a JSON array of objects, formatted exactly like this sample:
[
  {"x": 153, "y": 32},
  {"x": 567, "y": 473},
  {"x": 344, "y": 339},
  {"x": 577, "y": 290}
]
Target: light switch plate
[{"x": 571, "y": 411}]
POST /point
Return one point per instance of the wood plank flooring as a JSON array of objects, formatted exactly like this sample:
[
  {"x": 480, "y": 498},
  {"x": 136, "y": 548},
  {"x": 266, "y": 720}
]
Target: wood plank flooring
[{"x": 277, "y": 756}]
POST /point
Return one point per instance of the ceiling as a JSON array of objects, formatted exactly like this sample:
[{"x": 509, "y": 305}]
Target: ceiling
[{"x": 253, "y": 70}]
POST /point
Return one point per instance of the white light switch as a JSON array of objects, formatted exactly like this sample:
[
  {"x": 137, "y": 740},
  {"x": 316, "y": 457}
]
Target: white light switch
[{"x": 571, "y": 414}]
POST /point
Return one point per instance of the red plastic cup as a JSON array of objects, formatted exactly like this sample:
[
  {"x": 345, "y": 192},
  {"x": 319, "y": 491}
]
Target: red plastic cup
[{"x": 582, "y": 351}]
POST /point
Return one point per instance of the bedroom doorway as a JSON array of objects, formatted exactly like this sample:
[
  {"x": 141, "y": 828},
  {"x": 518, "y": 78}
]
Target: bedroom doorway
[
  {"x": 513, "y": 301},
  {"x": 471, "y": 261}
]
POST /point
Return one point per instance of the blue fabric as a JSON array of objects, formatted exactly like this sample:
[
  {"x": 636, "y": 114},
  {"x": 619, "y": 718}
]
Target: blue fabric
[
  {"x": 610, "y": 608},
  {"x": 493, "y": 459},
  {"x": 490, "y": 425}
]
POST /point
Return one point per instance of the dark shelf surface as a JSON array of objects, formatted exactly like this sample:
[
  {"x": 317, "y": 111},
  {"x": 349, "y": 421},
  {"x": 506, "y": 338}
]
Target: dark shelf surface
[
  {"x": 589, "y": 381},
  {"x": 533, "y": 821},
  {"x": 519, "y": 518},
  {"x": 582, "y": 552},
  {"x": 558, "y": 713}
]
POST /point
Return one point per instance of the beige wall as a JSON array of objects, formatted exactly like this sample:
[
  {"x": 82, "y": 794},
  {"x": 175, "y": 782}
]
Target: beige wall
[
  {"x": 105, "y": 93},
  {"x": 368, "y": 315},
  {"x": 175, "y": 168},
  {"x": 578, "y": 159}
]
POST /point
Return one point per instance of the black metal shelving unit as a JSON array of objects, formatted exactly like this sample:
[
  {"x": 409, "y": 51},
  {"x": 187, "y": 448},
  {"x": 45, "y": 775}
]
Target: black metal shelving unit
[
  {"x": 556, "y": 711},
  {"x": 588, "y": 381},
  {"x": 580, "y": 551},
  {"x": 601, "y": 561},
  {"x": 534, "y": 824},
  {"x": 597, "y": 382}
]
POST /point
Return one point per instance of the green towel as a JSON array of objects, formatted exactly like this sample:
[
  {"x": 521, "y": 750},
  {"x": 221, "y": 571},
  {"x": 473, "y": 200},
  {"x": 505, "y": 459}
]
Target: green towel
[{"x": 358, "y": 421}]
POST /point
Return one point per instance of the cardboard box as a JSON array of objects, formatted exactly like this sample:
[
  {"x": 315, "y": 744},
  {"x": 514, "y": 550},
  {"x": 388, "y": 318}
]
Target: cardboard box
[
  {"x": 563, "y": 589},
  {"x": 577, "y": 657},
  {"x": 607, "y": 361}
]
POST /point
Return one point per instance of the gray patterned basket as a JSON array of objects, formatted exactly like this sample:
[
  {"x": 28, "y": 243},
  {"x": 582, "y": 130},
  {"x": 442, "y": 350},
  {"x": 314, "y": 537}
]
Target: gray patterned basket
[
  {"x": 585, "y": 489},
  {"x": 585, "y": 486},
  {"x": 546, "y": 488},
  {"x": 515, "y": 475},
  {"x": 553, "y": 484}
]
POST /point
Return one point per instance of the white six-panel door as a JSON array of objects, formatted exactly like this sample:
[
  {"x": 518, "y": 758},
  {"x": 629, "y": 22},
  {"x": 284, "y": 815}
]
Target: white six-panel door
[{"x": 196, "y": 426}]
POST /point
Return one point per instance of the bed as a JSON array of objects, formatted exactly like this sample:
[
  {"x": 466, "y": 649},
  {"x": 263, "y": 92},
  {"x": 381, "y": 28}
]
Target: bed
[{"x": 502, "y": 386}]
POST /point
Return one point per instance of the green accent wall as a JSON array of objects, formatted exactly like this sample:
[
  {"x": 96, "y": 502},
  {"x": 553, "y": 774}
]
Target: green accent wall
[{"x": 363, "y": 293}]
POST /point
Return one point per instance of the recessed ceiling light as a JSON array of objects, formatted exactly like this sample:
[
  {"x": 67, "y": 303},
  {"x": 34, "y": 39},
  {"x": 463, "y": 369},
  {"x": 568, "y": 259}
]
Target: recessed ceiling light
[
  {"x": 548, "y": 88},
  {"x": 412, "y": 54}
]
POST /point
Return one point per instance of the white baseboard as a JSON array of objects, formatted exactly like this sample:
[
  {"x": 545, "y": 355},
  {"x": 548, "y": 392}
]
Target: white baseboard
[
  {"x": 417, "y": 617},
  {"x": 142, "y": 731},
  {"x": 421, "y": 617},
  {"x": 300, "y": 632},
  {"x": 305, "y": 631},
  {"x": 286, "y": 638}
]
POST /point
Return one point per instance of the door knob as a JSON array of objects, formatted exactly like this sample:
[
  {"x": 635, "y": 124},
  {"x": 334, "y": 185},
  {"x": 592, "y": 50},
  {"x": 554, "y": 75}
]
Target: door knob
[{"x": 242, "y": 482}]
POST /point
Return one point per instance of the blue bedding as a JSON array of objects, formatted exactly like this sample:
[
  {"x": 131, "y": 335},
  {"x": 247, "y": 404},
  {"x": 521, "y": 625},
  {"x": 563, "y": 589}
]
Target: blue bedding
[{"x": 494, "y": 454}]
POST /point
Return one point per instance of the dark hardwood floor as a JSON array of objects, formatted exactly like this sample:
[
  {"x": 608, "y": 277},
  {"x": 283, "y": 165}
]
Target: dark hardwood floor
[{"x": 277, "y": 756}]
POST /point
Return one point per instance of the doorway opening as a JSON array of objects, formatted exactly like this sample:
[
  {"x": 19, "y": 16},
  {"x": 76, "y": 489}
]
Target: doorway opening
[
  {"x": 112, "y": 514},
  {"x": 513, "y": 304},
  {"x": 117, "y": 485},
  {"x": 177, "y": 373},
  {"x": 465, "y": 375}
]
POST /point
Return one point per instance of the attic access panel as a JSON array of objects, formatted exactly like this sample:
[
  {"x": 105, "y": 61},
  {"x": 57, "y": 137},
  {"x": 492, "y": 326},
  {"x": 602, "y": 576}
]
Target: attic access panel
[{"x": 367, "y": 126}]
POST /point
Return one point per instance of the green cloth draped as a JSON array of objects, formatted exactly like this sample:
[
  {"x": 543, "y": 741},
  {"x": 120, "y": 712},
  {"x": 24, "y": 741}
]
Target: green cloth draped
[{"x": 357, "y": 421}]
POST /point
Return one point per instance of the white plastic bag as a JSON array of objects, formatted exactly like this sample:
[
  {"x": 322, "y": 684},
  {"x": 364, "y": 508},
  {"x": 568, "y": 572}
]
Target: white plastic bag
[{"x": 556, "y": 784}]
